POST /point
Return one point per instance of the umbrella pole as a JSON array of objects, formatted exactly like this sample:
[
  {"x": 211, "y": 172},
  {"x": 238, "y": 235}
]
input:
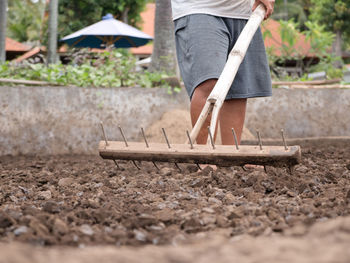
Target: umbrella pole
[
  {"x": 130, "y": 41},
  {"x": 79, "y": 40}
]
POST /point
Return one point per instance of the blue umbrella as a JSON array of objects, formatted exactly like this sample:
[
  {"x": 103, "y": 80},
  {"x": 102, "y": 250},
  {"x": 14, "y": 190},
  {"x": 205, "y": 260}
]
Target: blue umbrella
[{"x": 106, "y": 33}]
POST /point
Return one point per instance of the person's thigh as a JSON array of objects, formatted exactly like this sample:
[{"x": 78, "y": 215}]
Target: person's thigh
[{"x": 202, "y": 43}]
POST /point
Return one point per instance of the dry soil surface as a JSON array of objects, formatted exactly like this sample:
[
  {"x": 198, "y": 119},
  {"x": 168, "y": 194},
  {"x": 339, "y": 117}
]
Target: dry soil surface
[{"x": 61, "y": 204}]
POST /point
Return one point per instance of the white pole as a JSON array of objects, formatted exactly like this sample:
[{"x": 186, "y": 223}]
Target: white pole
[
  {"x": 52, "y": 45},
  {"x": 3, "y": 24}
]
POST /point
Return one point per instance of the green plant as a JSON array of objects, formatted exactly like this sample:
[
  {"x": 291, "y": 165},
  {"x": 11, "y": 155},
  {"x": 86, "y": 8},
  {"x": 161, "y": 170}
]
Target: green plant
[
  {"x": 298, "y": 10},
  {"x": 326, "y": 64},
  {"x": 25, "y": 19},
  {"x": 109, "y": 69},
  {"x": 335, "y": 16},
  {"x": 319, "y": 53},
  {"x": 289, "y": 36},
  {"x": 321, "y": 43}
]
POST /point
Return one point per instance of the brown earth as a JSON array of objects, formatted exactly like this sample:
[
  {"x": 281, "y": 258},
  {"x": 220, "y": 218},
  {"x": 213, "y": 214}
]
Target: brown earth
[
  {"x": 323, "y": 242},
  {"x": 80, "y": 201}
]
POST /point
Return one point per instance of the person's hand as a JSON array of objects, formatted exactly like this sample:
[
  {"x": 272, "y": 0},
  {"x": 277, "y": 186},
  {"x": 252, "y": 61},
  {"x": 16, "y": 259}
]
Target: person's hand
[{"x": 269, "y": 4}]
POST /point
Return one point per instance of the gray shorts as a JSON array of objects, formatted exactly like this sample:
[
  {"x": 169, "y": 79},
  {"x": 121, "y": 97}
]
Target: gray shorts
[{"x": 203, "y": 43}]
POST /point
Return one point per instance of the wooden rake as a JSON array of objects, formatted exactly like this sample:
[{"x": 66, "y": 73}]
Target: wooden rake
[{"x": 221, "y": 155}]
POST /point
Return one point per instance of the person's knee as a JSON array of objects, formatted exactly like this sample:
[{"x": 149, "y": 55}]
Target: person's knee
[
  {"x": 205, "y": 87},
  {"x": 235, "y": 102}
]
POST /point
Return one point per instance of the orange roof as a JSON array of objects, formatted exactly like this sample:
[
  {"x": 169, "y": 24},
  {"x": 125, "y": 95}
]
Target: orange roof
[
  {"x": 275, "y": 41},
  {"x": 147, "y": 26},
  {"x": 13, "y": 45},
  {"x": 144, "y": 50},
  {"x": 147, "y": 17}
]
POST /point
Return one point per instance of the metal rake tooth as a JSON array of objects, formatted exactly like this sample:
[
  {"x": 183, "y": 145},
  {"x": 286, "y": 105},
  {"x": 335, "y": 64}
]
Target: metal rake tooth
[
  {"x": 284, "y": 140},
  {"x": 147, "y": 145},
  {"x": 166, "y": 138},
  {"x": 135, "y": 164},
  {"x": 259, "y": 138},
  {"x": 189, "y": 139},
  {"x": 167, "y": 141},
  {"x": 116, "y": 163},
  {"x": 123, "y": 135},
  {"x": 235, "y": 138},
  {"x": 103, "y": 133},
  {"x": 211, "y": 138},
  {"x": 155, "y": 165},
  {"x": 192, "y": 147},
  {"x": 144, "y": 137},
  {"x": 178, "y": 167}
]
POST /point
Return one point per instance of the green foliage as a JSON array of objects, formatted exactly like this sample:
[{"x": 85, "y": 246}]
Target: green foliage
[
  {"x": 25, "y": 20},
  {"x": 320, "y": 39},
  {"x": 327, "y": 65},
  {"x": 110, "y": 69},
  {"x": 321, "y": 45},
  {"x": 320, "y": 42},
  {"x": 289, "y": 36},
  {"x": 333, "y": 14},
  {"x": 297, "y": 10}
]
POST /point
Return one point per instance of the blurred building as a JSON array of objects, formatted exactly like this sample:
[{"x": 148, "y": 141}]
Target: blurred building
[
  {"x": 15, "y": 49},
  {"x": 146, "y": 26}
]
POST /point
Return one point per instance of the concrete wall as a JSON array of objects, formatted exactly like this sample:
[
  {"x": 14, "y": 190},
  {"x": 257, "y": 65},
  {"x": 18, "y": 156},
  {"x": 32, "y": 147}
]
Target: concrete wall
[
  {"x": 58, "y": 120},
  {"x": 301, "y": 113}
]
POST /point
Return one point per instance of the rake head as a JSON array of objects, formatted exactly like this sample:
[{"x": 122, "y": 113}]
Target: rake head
[{"x": 221, "y": 155}]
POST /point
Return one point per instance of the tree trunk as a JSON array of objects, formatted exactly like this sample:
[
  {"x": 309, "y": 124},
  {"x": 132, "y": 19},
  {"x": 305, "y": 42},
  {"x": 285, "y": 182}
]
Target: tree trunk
[
  {"x": 125, "y": 15},
  {"x": 52, "y": 43},
  {"x": 3, "y": 18},
  {"x": 164, "y": 55},
  {"x": 337, "y": 48},
  {"x": 285, "y": 9}
]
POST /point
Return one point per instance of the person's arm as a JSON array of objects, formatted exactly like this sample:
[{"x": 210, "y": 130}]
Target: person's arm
[{"x": 269, "y": 4}]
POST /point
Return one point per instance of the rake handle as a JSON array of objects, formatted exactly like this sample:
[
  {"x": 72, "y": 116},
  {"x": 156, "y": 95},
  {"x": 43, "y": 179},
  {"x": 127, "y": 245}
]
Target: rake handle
[{"x": 217, "y": 97}]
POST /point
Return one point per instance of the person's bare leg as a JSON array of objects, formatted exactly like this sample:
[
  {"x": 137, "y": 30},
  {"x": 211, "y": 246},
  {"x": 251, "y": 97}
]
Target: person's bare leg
[
  {"x": 199, "y": 98},
  {"x": 232, "y": 115}
]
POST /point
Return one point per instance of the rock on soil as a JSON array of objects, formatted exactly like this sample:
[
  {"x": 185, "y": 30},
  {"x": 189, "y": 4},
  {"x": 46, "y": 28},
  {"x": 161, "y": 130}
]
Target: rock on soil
[{"x": 101, "y": 205}]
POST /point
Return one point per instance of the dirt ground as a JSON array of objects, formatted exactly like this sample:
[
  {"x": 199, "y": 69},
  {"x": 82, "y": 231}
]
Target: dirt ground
[{"x": 62, "y": 203}]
